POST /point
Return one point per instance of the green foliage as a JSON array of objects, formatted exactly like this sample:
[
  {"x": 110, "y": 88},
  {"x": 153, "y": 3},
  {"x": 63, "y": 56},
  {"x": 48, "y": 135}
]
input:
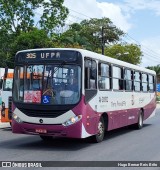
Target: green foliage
[
  {"x": 92, "y": 30},
  {"x": 88, "y": 34},
  {"x": 18, "y": 31},
  {"x": 73, "y": 37},
  {"x": 155, "y": 68},
  {"x": 17, "y": 21},
  {"x": 130, "y": 53},
  {"x": 54, "y": 14},
  {"x": 33, "y": 39},
  {"x": 18, "y": 15},
  {"x": 5, "y": 48},
  {"x": 158, "y": 98},
  {"x": 25, "y": 40}
]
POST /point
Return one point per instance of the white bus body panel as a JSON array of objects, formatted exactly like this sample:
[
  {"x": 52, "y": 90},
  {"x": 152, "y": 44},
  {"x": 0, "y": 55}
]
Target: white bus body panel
[{"x": 5, "y": 94}]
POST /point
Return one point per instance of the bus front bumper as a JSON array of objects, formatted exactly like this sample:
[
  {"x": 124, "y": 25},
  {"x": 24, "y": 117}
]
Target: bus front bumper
[{"x": 72, "y": 131}]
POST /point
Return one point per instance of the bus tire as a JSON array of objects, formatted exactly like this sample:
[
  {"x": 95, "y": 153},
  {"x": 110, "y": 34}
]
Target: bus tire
[
  {"x": 139, "y": 125},
  {"x": 46, "y": 138},
  {"x": 101, "y": 131}
]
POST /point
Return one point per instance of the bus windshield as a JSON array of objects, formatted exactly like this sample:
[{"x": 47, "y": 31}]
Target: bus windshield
[{"x": 47, "y": 84}]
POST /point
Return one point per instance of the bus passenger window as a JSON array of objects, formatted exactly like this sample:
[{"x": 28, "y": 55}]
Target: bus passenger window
[
  {"x": 137, "y": 81},
  {"x": 128, "y": 76},
  {"x": 151, "y": 83},
  {"x": 104, "y": 76},
  {"x": 90, "y": 74},
  {"x": 144, "y": 82},
  {"x": 117, "y": 78}
]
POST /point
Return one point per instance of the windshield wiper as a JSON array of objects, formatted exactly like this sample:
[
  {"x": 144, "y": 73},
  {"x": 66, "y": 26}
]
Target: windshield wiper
[
  {"x": 59, "y": 66},
  {"x": 55, "y": 70}
]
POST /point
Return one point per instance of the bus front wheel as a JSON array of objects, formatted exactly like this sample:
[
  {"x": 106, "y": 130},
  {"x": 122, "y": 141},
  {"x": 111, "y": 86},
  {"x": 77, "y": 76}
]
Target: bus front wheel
[{"x": 100, "y": 131}]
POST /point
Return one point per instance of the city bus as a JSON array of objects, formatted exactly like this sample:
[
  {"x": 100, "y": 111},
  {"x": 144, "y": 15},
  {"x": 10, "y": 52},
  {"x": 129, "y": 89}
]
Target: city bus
[
  {"x": 6, "y": 95},
  {"x": 75, "y": 93}
]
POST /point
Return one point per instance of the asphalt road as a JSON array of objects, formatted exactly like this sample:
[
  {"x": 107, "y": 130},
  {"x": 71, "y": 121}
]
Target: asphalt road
[{"x": 124, "y": 144}]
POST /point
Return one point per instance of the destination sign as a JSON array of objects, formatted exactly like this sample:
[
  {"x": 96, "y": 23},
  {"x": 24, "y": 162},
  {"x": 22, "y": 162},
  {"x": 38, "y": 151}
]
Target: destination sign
[{"x": 51, "y": 55}]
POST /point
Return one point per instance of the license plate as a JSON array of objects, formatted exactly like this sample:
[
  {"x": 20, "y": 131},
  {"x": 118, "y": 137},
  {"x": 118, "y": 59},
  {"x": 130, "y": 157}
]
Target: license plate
[{"x": 41, "y": 131}]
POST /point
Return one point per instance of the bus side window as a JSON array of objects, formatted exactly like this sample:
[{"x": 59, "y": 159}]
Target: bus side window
[
  {"x": 90, "y": 74},
  {"x": 137, "y": 81},
  {"x": 90, "y": 79},
  {"x": 151, "y": 83},
  {"x": 144, "y": 82},
  {"x": 128, "y": 76},
  {"x": 117, "y": 78},
  {"x": 104, "y": 76}
]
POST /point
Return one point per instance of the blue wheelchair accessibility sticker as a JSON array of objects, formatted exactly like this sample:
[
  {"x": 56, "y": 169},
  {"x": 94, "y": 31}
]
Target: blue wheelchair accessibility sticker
[{"x": 45, "y": 99}]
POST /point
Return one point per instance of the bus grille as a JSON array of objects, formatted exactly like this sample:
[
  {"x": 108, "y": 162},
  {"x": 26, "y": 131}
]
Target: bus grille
[
  {"x": 42, "y": 113},
  {"x": 10, "y": 107}
]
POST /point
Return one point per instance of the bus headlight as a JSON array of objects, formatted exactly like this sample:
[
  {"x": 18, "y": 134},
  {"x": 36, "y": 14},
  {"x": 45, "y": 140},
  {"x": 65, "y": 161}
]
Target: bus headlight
[
  {"x": 16, "y": 118},
  {"x": 72, "y": 120}
]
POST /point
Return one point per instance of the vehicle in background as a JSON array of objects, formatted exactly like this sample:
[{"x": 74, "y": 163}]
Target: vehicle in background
[
  {"x": 77, "y": 93},
  {"x": 6, "y": 82}
]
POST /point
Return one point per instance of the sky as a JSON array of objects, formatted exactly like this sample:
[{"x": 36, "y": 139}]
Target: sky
[{"x": 139, "y": 19}]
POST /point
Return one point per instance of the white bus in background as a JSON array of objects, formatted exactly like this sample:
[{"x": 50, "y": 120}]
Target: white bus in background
[
  {"x": 6, "y": 82},
  {"x": 109, "y": 94}
]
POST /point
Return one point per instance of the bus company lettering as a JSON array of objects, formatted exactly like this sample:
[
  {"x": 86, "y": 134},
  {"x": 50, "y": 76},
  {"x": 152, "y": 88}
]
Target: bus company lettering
[
  {"x": 31, "y": 55},
  {"x": 103, "y": 99},
  {"x": 50, "y": 55},
  {"x": 118, "y": 104},
  {"x": 43, "y": 55}
]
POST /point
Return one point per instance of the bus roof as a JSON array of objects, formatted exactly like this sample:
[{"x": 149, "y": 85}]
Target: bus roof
[{"x": 86, "y": 53}]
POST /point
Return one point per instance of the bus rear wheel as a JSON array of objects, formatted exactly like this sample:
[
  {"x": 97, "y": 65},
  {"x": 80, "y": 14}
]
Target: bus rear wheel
[
  {"x": 100, "y": 131},
  {"x": 46, "y": 138}
]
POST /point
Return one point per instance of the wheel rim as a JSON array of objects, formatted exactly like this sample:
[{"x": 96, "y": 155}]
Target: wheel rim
[
  {"x": 140, "y": 120},
  {"x": 100, "y": 129}
]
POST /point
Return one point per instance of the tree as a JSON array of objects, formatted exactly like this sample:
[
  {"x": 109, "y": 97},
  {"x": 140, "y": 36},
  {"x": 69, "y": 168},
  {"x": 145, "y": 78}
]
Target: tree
[
  {"x": 88, "y": 34},
  {"x": 92, "y": 30},
  {"x": 33, "y": 39},
  {"x": 5, "y": 48},
  {"x": 130, "y": 53},
  {"x": 18, "y": 15},
  {"x": 73, "y": 37},
  {"x": 29, "y": 40},
  {"x": 155, "y": 68},
  {"x": 25, "y": 40}
]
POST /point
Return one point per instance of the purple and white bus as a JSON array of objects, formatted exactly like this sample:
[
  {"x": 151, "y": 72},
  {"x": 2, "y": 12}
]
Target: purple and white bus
[{"x": 75, "y": 93}]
